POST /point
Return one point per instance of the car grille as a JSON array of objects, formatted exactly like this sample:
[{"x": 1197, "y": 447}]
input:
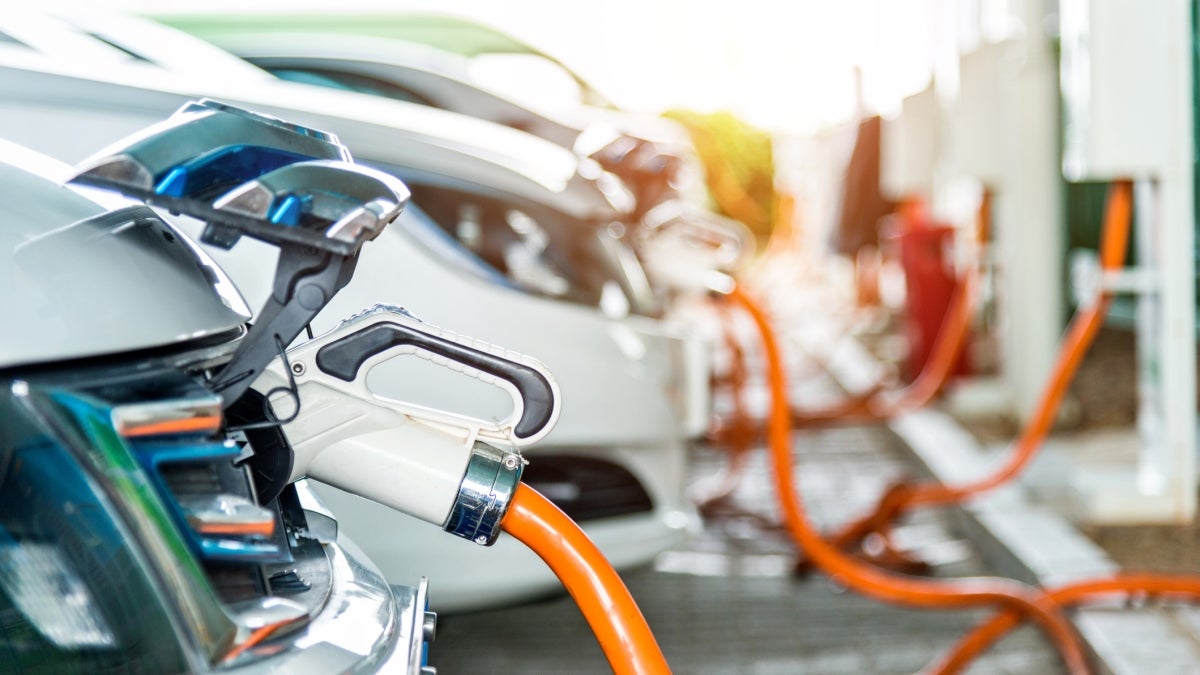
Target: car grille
[{"x": 587, "y": 488}]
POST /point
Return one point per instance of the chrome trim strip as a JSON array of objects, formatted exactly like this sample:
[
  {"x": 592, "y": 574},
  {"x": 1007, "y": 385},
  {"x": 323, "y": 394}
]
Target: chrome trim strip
[
  {"x": 196, "y": 414},
  {"x": 322, "y": 524},
  {"x": 360, "y": 628}
]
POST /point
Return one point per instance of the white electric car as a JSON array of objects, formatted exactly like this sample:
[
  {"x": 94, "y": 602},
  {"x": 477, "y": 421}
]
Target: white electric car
[
  {"x": 616, "y": 457},
  {"x": 652, "y": 155},
  {"x": 685, "y": 247}
]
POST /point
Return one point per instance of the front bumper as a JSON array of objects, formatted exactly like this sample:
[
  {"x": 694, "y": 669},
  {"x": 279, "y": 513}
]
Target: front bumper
[{"x": 364, "y": 626}]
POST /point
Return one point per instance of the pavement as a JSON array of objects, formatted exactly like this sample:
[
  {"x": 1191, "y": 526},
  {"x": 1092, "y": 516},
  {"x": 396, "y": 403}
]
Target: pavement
[
  {"x": 727, "y": 599},
  {"x": 1024, "y": 539}
]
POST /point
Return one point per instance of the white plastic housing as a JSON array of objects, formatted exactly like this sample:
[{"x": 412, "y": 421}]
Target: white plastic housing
[
  {"x": 1116, "y": 77},
  {"x": 412, "y": 469},
  {"x": 370, "y": 450},
  {"x": 908, "y": 147},
  {"x": 984, "y": 121}
]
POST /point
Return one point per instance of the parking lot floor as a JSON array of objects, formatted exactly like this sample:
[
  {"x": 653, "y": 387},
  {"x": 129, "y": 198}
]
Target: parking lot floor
[{"x": 727, "y": 601}]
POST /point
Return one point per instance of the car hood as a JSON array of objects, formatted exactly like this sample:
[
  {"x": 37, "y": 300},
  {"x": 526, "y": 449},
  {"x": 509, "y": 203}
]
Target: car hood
[{"x": 83, "y": 279}]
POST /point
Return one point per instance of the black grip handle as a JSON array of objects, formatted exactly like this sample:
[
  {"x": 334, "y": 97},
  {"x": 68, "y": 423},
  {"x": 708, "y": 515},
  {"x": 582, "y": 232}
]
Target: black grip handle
[{"x": 344, "y": 357}]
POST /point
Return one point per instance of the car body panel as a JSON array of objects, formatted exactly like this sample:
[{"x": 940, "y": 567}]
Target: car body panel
[{"x": 77, "y": 276}]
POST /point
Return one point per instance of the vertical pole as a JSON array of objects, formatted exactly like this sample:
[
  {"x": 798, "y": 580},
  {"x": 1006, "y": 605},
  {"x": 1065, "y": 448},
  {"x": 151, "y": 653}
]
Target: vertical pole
[
  {"x": 1168, "y": 462},
  {"x": 1029, "y": 221}
]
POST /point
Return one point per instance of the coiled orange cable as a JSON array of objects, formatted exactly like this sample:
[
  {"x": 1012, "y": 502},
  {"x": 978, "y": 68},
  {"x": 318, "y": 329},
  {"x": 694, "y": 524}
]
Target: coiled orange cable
[
  {"x": 735, "y": 433},
  {"x": 599, "y": 592},
  {"x": 880, "y": 404},
  {"x": 870, "y": 580}
]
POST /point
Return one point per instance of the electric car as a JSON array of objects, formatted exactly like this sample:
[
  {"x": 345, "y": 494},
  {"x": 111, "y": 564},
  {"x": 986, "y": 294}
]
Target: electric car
[
  {"x": 652, "y": 155},
  {"x": 685, "y": 247},
  {"x": 132, "y": 542},
  {"x": 615, "y": 458}
]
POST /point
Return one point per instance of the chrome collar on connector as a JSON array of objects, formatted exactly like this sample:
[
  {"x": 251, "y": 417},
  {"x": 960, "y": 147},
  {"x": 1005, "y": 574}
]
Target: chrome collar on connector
[{"x": 483, "y": 497}]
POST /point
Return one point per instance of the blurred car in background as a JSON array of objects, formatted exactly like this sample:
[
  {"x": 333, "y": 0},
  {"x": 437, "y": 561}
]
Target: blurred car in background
[
  {"x": 461, "y": 65},
  {"x": 653, "y": 155}
]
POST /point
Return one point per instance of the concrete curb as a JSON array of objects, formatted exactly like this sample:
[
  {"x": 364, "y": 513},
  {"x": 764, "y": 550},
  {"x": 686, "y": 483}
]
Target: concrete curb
[{"x": 1034, "y": 544}]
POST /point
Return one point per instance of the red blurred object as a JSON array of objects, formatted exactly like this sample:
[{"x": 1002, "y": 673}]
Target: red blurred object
[{"x": 925, "y": 250}]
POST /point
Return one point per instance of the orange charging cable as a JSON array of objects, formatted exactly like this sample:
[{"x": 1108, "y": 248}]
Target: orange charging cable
[
  {"x": 1147, "y": 584},
  {"x": 873, "y": 581},
  {"x": 878, "y": 403},
  {"x": 881, "y": 404},
  {"x": 735, "y": 433},
  {"x": 603, "y": 598},
  {"x": 1081, "y": 333}
]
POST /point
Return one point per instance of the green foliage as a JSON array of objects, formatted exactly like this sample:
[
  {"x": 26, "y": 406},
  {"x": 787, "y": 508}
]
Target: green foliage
[{"x": 739, "y": 166}]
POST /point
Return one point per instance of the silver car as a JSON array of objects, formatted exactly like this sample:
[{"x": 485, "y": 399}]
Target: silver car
[{"x": 131, "y": 540}]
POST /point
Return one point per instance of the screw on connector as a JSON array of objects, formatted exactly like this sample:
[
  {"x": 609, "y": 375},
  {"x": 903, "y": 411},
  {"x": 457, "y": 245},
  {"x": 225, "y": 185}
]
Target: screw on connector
[
  {"x": 511, "y": 462},
  {"x": 298, "y": 368}
]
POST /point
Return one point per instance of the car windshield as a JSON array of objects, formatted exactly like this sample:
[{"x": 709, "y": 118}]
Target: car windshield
[
  {"x": 438, "y": 241},
  {"x": 336, "y": 79},
  {"x": 454, "y": 34}
]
